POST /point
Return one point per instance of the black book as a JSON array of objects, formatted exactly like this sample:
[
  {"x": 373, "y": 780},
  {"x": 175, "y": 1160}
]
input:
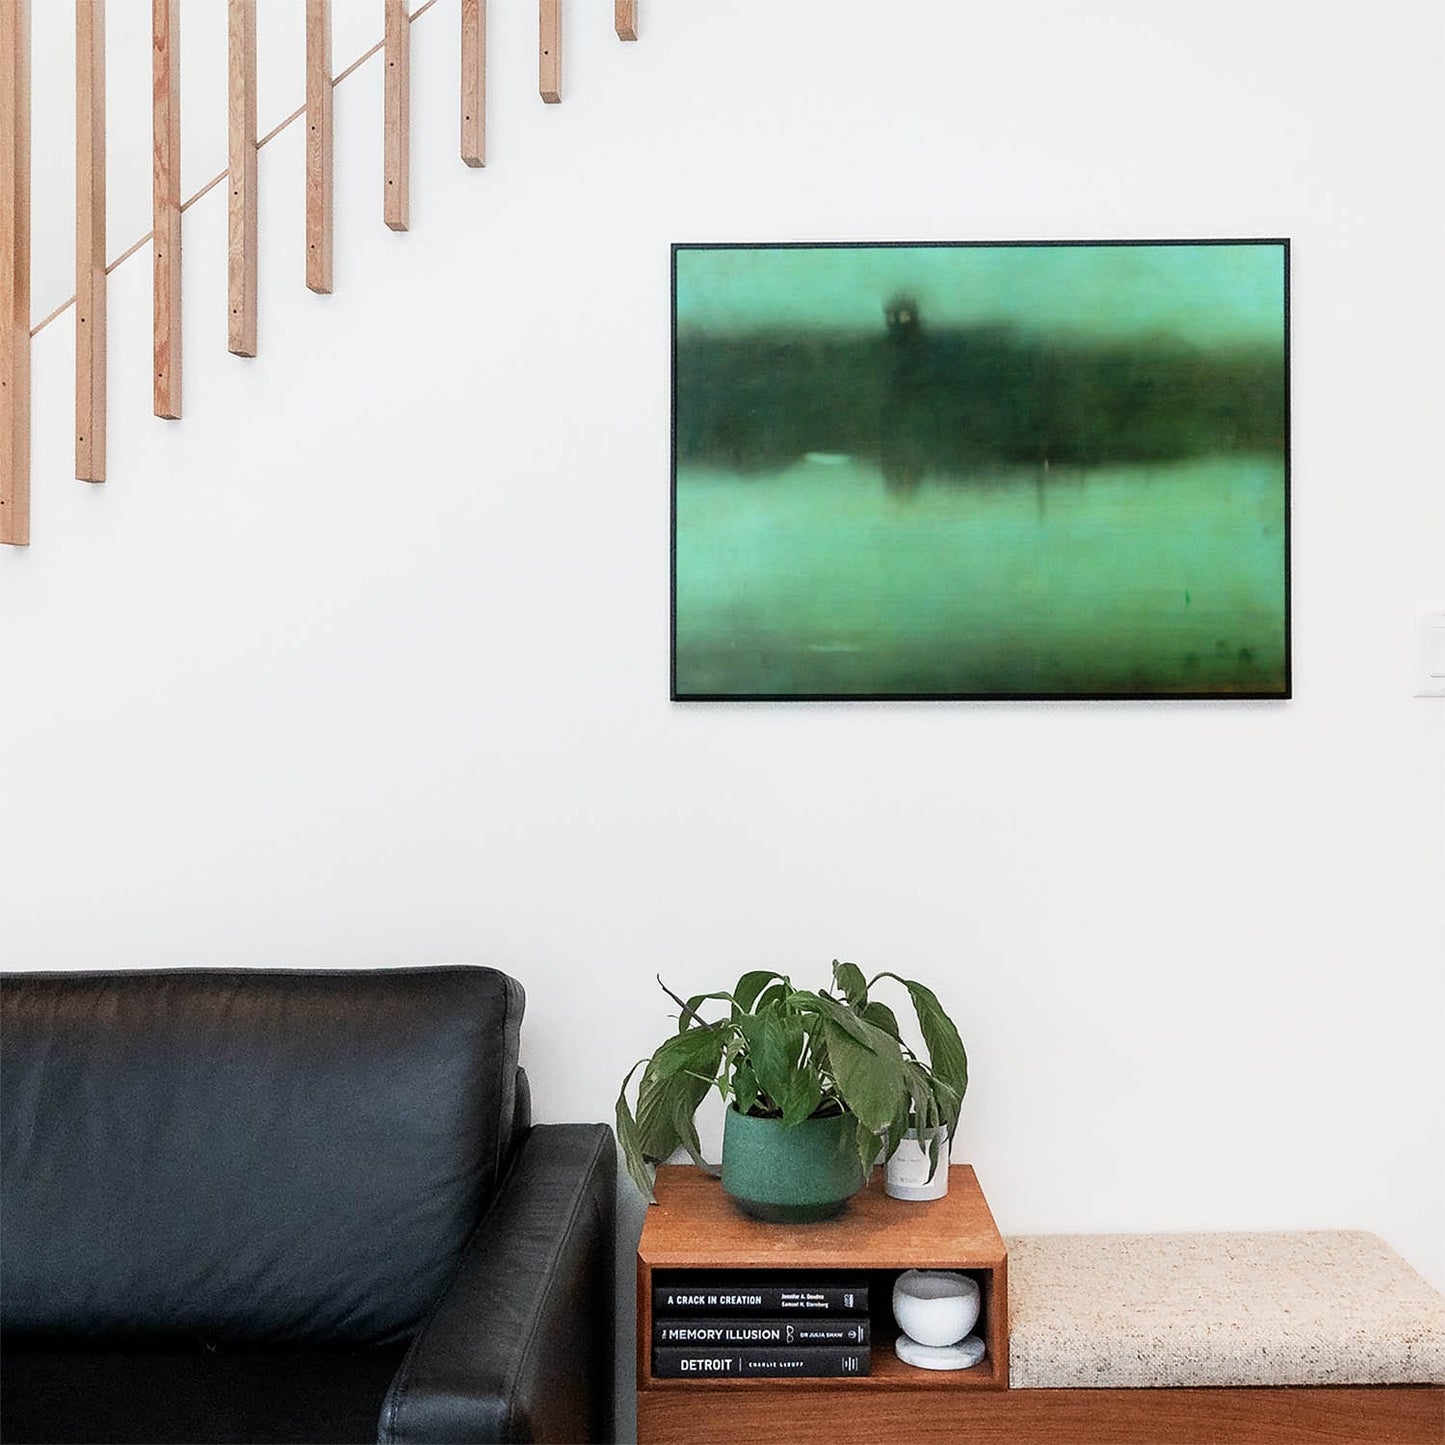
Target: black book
[
  {"x": 691, "y": 1362},
  {"x": 780, "y": 1330},
  {"x": 774, "y": 1298}
]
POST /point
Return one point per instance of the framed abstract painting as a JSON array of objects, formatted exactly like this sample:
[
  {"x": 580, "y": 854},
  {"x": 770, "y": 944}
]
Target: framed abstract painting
[{"x": 981, "y": 470}]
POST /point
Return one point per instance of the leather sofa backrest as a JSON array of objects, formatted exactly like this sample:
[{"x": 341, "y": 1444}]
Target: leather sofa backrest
[{"x": 230, "y": 1155}]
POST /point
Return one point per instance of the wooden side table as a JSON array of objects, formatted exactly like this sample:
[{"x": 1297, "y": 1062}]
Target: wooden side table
[{"x": 695, "y": 1227}]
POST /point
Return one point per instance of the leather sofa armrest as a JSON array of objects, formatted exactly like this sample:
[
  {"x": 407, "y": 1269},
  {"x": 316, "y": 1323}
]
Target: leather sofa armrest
[{"x": 520, "y": 1346}]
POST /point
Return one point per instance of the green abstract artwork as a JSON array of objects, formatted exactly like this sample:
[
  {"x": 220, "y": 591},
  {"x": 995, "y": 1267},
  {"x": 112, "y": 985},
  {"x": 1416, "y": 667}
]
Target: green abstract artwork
[{"x": 1014, "y": 470}]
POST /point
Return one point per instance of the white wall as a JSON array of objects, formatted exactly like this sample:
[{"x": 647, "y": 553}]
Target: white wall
[{"x": 365, "y": 661}]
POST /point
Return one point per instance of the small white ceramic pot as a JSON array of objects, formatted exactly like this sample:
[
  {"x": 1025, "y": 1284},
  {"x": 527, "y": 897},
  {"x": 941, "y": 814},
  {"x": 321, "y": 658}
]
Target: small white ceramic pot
[
  {"x": 935, "y": 1306},
  {"x": 905, "y": 1176}
]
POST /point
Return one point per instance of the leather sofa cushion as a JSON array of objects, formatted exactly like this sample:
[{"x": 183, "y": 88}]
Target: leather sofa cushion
[
  {"x": 113, "y": 1397},
  {"x": 240, "y": 1156}
]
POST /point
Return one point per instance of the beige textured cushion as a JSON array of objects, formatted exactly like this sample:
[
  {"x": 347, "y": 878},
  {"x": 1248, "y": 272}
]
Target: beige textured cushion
[{"x": 1319, "y": 1308}]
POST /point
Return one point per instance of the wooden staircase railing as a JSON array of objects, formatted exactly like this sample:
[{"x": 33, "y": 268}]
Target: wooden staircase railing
[
  {"x": 243, "y": 147},
  {"x": 15, "y": 273}
]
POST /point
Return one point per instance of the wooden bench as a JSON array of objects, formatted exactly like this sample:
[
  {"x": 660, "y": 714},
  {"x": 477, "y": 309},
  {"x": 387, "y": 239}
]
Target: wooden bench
[
  {"x": 1145, "y": 1339},
  {"x": 1218, "y": 1338}
]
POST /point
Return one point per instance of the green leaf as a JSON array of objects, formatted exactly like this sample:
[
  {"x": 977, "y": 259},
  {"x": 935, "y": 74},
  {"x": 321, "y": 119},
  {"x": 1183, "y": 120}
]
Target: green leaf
[
  {"x": 822, "y": 1067},
  {"x": 869, "y": 1075},
  {"x": 841, "y": 1016},
  {"x": 675, "y": 1083},
  {"x": 775, "y": 1045},
  {"x": 750, "y": 985},
  {"x": 683, "y": 1108},
  {"x": 923, "y": 1106},
  {"x": 774, "y": 993},
  {"x": 946, "y": 1053},
  {"x": 696, "y": 1051},
  {"x": 655, "y": 1134},
  {"x": 848, "y": 979},
  {"x": 667, "y": 1125},
  {"x": 734, "y": 1048},
  {"x": 948, "y": 1104},
  {"x": 629, "y": 1137},
  {"x": 897, "y": 1127},
  {"x": 866, "y": 1063},
  {"x": 881, "y": 1016},
  {"x": 935, "y": 1152},
  {"x": 745, "y": 1087},
  {"x": 805, "y": 1093},
  {"x": 867, "y": 1142},
  {"x": 931, "y": 1102}
]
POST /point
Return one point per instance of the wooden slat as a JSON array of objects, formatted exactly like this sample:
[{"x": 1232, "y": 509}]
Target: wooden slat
[
  {"x": 241, "y": 151},
  {"x": 474, "y": 82},
  {"x": 549, "y": 50},
  {"x": 397, "y": 104},
  {"x": 867, "y": 1411},
  {"x": 15, "y": 272},
  {"x": 90, "y": 292},
  {"x": 166, "y": 203},
  {"x": 318, "y": 146},
  {"x": 625, "y": 19}
]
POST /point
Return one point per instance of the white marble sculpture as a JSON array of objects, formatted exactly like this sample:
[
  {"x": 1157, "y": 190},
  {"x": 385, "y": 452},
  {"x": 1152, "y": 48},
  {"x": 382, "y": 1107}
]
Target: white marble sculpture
[{"x": 935, "y": 1310}]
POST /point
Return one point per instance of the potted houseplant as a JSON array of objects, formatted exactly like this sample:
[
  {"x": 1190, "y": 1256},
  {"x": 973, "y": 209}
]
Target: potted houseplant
[{"x": 816, "y": 1082}]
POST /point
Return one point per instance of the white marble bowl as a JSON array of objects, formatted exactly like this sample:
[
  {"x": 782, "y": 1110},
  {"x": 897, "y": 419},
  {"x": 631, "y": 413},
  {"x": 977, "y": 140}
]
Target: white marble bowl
[{"x": 935, "y": 1306}]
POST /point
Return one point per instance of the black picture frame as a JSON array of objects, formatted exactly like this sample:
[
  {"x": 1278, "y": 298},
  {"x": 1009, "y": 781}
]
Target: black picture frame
[{"x": 1108, "y": 408}]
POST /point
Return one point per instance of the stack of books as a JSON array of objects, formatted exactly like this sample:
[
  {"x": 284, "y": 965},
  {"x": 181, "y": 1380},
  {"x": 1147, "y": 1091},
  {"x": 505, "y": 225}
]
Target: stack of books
[{"x": 782, "y": 1326}]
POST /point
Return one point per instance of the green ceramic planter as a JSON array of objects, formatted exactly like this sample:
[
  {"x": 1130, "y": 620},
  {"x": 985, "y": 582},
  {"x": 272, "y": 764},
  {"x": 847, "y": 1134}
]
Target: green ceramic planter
[{"x": 791, "y": 1176}]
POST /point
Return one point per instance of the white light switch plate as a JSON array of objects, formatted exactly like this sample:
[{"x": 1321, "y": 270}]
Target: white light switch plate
[{"x": 1431, "y": 677}]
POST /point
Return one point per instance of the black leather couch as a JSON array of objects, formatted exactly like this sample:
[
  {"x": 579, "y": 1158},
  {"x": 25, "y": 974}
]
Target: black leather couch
[{"x": 293, "y": 1206}]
